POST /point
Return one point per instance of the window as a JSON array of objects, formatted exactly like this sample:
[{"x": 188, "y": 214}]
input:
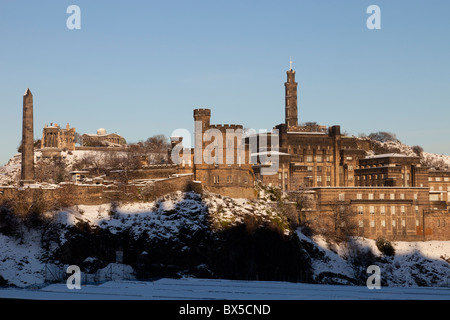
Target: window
[
  {"x": 279, "y": 176},
  {"x": 403, "y": 223},
  {"x": 359, "y": 196},
  {"x": 245, "y": 179},
  {"x": 285, "y": 175},
  {"x": 430, "y": 179},
  {"x": 319, "y": 158},
  {"x": 372, "y": 210},
  {"x": 392, "y": 209},
  {"x": 382, "y": 209},
  {"x": 402, "y": 196},
  {"x": 446, "y": 179},
  {"x": 417, "y": 222},
  {"x": 383, "y": 223},
  {"x": 381, "y": 196},
  {"x": 309, "y": 159},
  {"x": 372, "y": 223},
  {"x": 360, "y": 210},
  {"x": 341, "y": 196},
  {"x": 319, "y": 178},
  {"x": 350, "y": 168},
  {"x": 229, "y": 179},
  {"x": 328, "y": 178},
  {"x": 434, "y": 197},
  {"x": 349, "y": 158},
  {"x": 417, "y": 209},
  {"x": 309, "y": 168},
  {"x": 370, "y": 196},
  {"x": 402, "y": 209},
  {"x": 393, "y": 223},
  {"x": 392, "y": 196},
  {"x": 415, "y": 196},
  {"x": 438, "y": 179},
  {"x": 361, "y": 223}
]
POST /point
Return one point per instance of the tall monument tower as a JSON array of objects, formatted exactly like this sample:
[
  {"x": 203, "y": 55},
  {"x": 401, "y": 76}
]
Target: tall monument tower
[
  {"x": 291, "y": 113},
  {"x": 27, "y": 174}
]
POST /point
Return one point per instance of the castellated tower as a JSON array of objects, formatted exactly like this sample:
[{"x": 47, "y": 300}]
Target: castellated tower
[
  {"x": 202, "y": 119},
  {"x": 27, "y": 174},
  {"x": 291, "y": 115},
  {"x": 203, "y": 115}
]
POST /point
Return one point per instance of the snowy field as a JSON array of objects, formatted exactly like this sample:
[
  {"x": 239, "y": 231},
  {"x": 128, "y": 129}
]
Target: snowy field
[{"x": 199, "y": 289}]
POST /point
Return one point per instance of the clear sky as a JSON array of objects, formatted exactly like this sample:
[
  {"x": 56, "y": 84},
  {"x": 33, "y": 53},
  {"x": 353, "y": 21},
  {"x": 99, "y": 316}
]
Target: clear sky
[{"x": 139, "y": 68}]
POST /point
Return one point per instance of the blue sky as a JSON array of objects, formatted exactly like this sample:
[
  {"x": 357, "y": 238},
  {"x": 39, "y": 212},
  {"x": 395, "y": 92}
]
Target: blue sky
[{"x": 139, "y": 68}]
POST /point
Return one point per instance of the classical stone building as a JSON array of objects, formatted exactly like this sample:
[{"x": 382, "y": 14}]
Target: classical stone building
[
  {"x": 54, "y": 136},
  {"x": 55, "y": 139},
  {"x": 103, "y": 139}
]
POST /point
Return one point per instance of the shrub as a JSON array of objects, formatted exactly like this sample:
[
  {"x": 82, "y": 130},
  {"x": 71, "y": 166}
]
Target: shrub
[
  {"x": 385, "y": 247},
  {"x": 9, "y": 223}
]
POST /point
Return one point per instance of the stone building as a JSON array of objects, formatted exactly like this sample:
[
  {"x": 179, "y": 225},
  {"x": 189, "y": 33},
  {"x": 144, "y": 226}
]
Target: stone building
[
  {"x": 54, "y": 136},
  {"x": 389, "y": 212},
  {"x": 103, "y": 139},
  {"x": 220, "y": 159},
  {"x": 391, "y": 195},
  {"x": 391, "y": 170},
  {"x": 310, "y": 155}
]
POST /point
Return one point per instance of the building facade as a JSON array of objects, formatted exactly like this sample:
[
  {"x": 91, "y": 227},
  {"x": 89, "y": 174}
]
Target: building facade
[{"x": 388, "y": 195}]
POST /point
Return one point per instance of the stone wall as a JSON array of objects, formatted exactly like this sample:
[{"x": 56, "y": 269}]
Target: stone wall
[{"x": 72, "y": 194}]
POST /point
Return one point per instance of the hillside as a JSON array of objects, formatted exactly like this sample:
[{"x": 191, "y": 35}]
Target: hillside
[{"x": 209, "y": 236}]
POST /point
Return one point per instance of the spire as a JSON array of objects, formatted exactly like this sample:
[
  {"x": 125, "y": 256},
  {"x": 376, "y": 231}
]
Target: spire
[
  {"x": 28, "y": 92},
  {"x": 290, "y": 63}
]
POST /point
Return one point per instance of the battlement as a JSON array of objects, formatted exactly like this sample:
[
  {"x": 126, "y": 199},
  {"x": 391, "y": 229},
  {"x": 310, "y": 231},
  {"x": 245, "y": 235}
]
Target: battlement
[
  {"x": 202, "y": 112},
  {"x": 223, "y": 127}
]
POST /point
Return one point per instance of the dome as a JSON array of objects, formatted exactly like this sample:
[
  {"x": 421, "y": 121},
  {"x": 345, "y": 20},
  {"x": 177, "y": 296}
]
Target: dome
[{"x": 101, "y": 131}]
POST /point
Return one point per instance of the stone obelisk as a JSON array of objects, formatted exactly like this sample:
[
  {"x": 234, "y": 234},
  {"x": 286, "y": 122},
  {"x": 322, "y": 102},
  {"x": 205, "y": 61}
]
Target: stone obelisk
[{"x": 27, "y": 174}]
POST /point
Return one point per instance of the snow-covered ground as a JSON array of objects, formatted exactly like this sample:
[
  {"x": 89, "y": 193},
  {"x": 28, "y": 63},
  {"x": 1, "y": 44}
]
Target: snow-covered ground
[
  {"x": 414, "y": 263},
  {"x": 23, "y": 262},
  {"x": 198, "y": 289}
]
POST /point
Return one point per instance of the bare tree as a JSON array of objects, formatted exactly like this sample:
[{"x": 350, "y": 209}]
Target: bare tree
[
  {"x": 343, "y": 221},
  {"x": 51, "y": 171},
  {"x": 156, "y": 149}
]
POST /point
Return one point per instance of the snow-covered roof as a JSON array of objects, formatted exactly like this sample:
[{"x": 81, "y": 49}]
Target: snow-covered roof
[
  {"x": 306, "y": 132},
  {"x": 388, "y": 155},
  {"x": 270, "y": 153}
]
